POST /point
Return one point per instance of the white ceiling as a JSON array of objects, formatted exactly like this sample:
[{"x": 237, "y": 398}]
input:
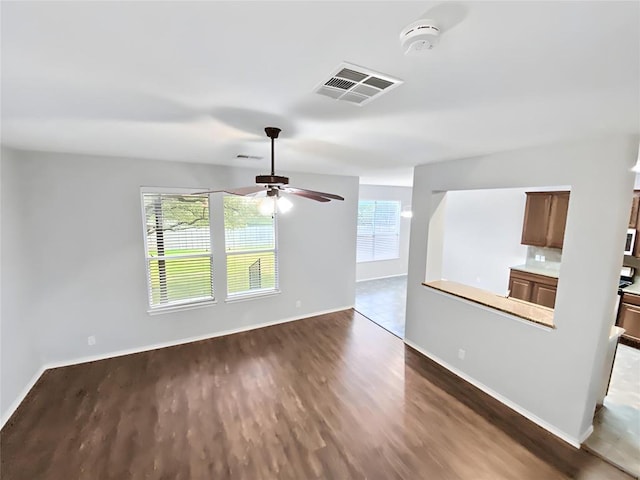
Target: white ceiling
[{"x": 198, "y": 81}]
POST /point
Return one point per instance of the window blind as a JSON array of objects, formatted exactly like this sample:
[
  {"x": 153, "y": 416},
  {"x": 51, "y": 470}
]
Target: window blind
[
  {"x": 178, "y": 249},
  {"x": 378, "y": 230},
  {"x": 250, "y": 246}
]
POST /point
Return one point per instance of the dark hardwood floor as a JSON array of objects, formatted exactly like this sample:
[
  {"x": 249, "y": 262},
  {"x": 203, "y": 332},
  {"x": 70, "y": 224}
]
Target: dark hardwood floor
[{"x": 332, "y": 397}]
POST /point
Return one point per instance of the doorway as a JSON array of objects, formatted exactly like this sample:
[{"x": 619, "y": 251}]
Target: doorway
[
  {"x": 382, "y": 254},
  {"x": 383, "y": 301},
  {"x": 616, "y": 425}
]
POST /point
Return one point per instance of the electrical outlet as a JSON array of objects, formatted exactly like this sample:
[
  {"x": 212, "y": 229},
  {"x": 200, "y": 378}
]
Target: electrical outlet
[
  {"x": 542, "y": 258},
  {"x": 298, "y": 303},
  {"x": 91, "y": 340},
  {"x": 461, "y": 354},
  {"x": 537, "y": 258}
]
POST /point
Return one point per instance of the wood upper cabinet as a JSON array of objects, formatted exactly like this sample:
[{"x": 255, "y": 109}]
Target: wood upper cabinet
[
  {"x": 545, "y": 218},
  {"x": 557, "y": 219},
  {"x": 635, "y": 208},
  {"x": 533, "y": 288},
  {"x": 536, "y": 219},
  {"x": 634, "y": 221}
]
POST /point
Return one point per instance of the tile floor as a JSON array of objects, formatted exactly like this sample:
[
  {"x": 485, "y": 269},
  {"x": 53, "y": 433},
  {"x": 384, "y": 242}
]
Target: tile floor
[
  {"x": 616, "y": 427},
  {"x": 384, "y": 302}
]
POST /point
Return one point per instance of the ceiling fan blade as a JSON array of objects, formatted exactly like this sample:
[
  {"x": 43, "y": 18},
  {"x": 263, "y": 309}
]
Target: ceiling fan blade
[
  {"x": 311, "y": 196},
  {"x": 246, "y": 190},
  {"x": 236, "y": 191},
  {"x": 301, "y": 191}
]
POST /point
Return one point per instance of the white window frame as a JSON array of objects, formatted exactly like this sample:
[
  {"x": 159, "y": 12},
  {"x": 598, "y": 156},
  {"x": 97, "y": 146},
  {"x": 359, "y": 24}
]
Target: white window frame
[
  {"x": 374, "y": 235},
  {"x": 262, "y": 292},
  {"x": 186, "y": 304}
]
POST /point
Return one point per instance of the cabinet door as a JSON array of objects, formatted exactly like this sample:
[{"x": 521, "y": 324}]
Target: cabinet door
[
  {"x": 633, "y": 220},
  {"x": 544, "y": 295},
  {"x": 557, "y": 219},
  {"x": 536, "y": 219},
  {"x": 630, "y": 319},
  {"x": 520, "y": 289}
]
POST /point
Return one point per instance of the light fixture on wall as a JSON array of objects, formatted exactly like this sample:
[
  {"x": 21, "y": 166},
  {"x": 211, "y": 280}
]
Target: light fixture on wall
[{"x": 406, "y": 212}]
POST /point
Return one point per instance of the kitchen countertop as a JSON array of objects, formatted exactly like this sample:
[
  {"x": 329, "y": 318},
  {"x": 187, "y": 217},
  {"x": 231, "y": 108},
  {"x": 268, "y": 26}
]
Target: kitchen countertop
[
  {"x": 634, "y": 288},
  {"x": 547, "y": 272},
  {"x": 528, "y": 311}
]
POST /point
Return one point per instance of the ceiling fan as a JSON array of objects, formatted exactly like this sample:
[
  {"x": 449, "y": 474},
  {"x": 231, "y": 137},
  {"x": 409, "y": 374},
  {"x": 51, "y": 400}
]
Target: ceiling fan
[{"x": 274, "y": 184}]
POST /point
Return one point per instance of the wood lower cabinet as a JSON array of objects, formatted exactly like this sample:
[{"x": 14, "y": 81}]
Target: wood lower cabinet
[
  {"x": 629, "y": 316},
  {"x": 520, "y": 288},
  {"x": 533, "y": 288},
  {"x": 544, "y": 295}
]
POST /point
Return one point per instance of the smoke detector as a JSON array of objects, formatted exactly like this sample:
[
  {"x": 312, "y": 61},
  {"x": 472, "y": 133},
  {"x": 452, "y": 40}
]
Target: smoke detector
[{"x": 419, "y": 37}]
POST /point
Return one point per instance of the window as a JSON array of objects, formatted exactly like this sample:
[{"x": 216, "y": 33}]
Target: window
[
  {"x": 378, "y": 230},
  {"x": 178, "y": 249},
  {"x": 250, "y": 245}
]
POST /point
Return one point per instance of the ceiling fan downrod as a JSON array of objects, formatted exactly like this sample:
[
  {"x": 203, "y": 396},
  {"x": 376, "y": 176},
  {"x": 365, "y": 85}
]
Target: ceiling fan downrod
[{"x": 272, "y": 133}]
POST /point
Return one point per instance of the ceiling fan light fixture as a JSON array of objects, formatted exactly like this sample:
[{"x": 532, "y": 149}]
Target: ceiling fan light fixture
[
  {"x": 284, "y": 204},
  {"x": 267, "y": 206}
]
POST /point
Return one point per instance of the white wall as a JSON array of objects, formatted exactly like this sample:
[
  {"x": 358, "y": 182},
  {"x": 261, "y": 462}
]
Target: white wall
[
  {"x": 19, "y": 360},
  {"x": 398, "y": 266},
  {"x": 86, "y": 268},
  {"x": 482, "y": 234},
  {"x": 551, "y": 374}
]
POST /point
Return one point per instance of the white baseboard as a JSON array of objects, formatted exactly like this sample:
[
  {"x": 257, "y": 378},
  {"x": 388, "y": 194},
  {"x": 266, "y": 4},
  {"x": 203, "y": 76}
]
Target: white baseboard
[
  {"x": 380, "y": 278},
  {"x": 65, "y": 363},
  {"x": 182, "y": 341},
  {"x": 586, "y": 434},
  {"x": 571, "y": 440},
  {"x": 19, "y": 399}
]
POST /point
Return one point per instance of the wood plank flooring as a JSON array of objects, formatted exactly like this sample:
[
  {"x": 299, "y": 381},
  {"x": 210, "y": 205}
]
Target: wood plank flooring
[{"x": 331, "y": 397}]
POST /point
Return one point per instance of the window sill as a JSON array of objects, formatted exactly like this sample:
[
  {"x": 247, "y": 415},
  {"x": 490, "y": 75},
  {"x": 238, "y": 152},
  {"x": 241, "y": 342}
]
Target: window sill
[
  {"x": 180, "y": 307},
  {"x": 251, "y": 296},
  {"x": 531, "y": 312}
]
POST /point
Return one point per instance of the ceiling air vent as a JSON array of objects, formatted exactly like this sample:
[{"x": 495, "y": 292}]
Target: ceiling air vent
[
  {"x": 357, "y": 85},
  {"x": 340, "y": 83}
]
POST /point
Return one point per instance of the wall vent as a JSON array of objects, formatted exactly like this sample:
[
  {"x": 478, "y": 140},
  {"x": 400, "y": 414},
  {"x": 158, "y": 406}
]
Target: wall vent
[{"x": 356, "y": 85}]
